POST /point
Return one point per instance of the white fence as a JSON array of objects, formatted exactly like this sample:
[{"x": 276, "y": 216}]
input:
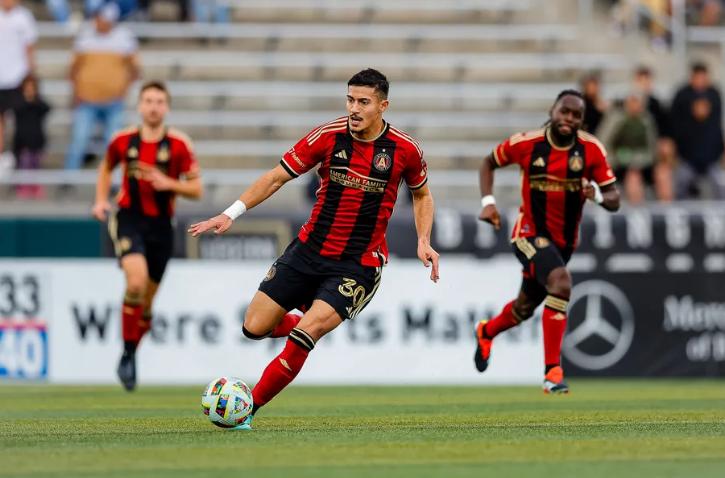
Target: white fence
[{"x": 60, "y": 321}]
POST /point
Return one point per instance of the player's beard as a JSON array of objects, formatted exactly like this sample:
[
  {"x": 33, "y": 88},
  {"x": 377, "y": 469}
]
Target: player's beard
[{"x": 559, "y": 138}]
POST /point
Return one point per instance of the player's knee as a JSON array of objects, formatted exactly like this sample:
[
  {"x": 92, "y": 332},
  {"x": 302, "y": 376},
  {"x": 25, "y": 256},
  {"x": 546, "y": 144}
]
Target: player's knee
[
  {"x": 136, "y": 286},
  {"x": 254, "y": 334},
  {"x": 559, "y": 283},
  {"x": 523, "y": 310}
]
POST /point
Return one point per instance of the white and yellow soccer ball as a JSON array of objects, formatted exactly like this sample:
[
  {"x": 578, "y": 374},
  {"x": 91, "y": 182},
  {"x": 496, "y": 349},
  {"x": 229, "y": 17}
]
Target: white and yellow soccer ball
[{"x": 227, "y": 401}]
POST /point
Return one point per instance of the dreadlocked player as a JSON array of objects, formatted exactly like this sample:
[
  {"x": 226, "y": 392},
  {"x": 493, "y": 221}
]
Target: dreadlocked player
[{"x": 562, "y": 167}]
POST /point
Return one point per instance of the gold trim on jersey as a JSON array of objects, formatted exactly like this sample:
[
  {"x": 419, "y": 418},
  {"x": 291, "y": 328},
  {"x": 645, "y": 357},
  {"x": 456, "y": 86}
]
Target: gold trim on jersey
[
  {"x": 526, "y": 136},
  {"x": 554, "y": 146},
  {"x": 583, "y": 135},
  {"x": 549, "y": 183}
]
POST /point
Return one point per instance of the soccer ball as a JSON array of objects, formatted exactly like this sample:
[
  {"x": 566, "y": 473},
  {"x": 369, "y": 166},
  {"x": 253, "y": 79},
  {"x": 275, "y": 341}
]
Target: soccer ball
[{"x": 227, "y": 401}]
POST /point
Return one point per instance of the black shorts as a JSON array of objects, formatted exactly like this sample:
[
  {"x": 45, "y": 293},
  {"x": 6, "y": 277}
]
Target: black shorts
[
  {"x": 539, "y": 256},
  {"x": 151, "y": 236},
  {"x": 10, "y": 99},
  {"x": 300, "y": 276}
]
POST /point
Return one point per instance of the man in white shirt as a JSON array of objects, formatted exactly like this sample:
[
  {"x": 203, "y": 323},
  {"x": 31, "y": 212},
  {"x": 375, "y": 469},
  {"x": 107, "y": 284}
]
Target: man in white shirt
[
  {"x": 18, "y": 34},
  {"x": 104, "y": 64}
]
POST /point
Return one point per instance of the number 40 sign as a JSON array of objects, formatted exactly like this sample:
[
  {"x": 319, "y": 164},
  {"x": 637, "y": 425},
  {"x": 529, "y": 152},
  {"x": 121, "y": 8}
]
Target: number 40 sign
[{"x": 23, "y": 334}]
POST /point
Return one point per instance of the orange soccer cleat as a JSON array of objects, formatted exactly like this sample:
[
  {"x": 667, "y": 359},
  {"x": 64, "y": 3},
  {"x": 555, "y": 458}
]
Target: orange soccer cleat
[{"x": 554, "y": 381}]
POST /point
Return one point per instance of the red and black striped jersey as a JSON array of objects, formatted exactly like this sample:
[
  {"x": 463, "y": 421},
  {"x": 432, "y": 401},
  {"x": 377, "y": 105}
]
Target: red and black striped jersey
[
  {"x": 359, "y": 183},
  {"x": 551, "y": 186},
  {"x": 173, "y": 155}
]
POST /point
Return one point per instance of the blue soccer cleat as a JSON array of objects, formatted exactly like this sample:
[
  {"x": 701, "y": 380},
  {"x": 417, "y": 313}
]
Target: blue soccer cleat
[{"x": 246, "y": 424}]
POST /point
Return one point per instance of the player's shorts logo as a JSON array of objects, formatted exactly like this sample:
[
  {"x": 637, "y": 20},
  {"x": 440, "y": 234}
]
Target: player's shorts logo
[
  {"x": 382, "y": 162},
  {"x": 541, "y": 242},
  {"x": 576, "y": 163},
  {"x": 124, "y": 243}
]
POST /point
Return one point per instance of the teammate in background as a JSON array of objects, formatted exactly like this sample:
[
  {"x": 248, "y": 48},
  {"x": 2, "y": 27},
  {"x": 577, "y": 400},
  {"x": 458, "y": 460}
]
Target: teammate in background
[
  {"x": 561, "y": 166},
  {"x": 335, "y": 263},
  {"x": 158, "y": 163}
]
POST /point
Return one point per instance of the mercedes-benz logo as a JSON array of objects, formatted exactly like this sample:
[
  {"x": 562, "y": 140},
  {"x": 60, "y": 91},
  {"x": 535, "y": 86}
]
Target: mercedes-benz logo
[{"x": 614, "y": 328}]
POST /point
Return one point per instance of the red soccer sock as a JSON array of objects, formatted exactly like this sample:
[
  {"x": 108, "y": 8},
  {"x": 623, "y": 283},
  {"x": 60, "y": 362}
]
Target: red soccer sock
[
  {"x": 554, "y": 325},
  {"x": 283, "y": 368},
  {"x": 144, "y": 324},
  {"x": 131, "y": 313},
  {"x": 503, "y": 321},
  {"x": 288, "y": 322}
]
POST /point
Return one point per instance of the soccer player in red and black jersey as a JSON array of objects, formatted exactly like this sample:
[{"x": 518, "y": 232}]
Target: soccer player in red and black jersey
[
  {"x": 334, "y": 265},
  {"x": 158, "y": 164},
  {"x": 561, "y": 167}
]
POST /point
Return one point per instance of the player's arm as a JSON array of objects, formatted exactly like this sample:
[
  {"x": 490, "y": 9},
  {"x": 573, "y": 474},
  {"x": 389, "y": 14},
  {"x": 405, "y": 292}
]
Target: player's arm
[
  {"x": 600, "y": 185},
  {"x": 606, "y": 196},
  {"x": 268, "y": 184},
  {"x": 101, "y": 205},
  {"x": 489, "y": 212},
  {"x": 423, "y": 210},
  {"x": 190, "y": 187}
]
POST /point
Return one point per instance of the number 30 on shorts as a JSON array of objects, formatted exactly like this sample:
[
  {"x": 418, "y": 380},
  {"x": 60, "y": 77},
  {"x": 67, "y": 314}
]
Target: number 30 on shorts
[{"x": 350, "y": 288}]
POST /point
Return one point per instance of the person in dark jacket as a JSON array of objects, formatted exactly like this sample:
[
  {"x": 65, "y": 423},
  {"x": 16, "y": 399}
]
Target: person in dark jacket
[
  {"x": 697, "y": 129},
  {"x": 29, "y": 139}
]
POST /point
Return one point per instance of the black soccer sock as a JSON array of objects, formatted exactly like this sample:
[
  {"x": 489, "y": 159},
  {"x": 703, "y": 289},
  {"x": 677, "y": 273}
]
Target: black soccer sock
[
  {"x": 129, "y": 347},
  {"x": 549, "y": 367}
]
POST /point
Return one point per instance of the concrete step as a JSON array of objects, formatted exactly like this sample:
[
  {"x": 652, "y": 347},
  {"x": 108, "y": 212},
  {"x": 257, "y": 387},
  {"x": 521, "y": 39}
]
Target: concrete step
[
  {"x": 254, "y": 154},
  {"x": 284, "y": 96},
  {"x": 266, "y": 125},
  {"x": 339, "y": 66}
]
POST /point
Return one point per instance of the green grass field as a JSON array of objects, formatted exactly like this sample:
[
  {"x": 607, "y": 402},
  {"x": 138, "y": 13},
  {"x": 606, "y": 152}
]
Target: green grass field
[{"x": 603, "y": 429}]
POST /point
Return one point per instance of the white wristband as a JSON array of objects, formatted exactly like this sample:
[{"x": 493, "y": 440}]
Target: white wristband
[
  {"x": 235, "y": 210},
  {"x": 598, "y": 196},
  {"x": 488, "y": 200}
]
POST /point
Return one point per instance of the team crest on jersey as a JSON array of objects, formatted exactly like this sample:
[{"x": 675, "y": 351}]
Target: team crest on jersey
[
  {"x": 576, "y": 163},
  {"x": 132, "y": 152},
  {"x": 270, "y": 274},
  {"x": 163, "y": 155},
  {"x": 541, "y": 242},
  {"x": 539, "y": 162},
  {"x": 382, "y": 161}
]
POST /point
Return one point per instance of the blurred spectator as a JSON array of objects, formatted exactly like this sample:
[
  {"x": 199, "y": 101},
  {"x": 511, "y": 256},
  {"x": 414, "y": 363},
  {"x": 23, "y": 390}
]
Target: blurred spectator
[
  {"x": 665, "y": 149},
  {"x": 61, "y": 12},
  {"x": 126, "y": 8},
  {"x": 652, "y": 15},
  {"x": 29, "y": 139},
  {"x": 705, "y": 13},
  {"x": 210, "y": 11},
  {"x": 697, "y": 127},
  {"x": 629, "y": 134},
  {"x": 104, "y": 65},
  {"x": 18, "y": 34},
  {"x": 595, "y": 105}
]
